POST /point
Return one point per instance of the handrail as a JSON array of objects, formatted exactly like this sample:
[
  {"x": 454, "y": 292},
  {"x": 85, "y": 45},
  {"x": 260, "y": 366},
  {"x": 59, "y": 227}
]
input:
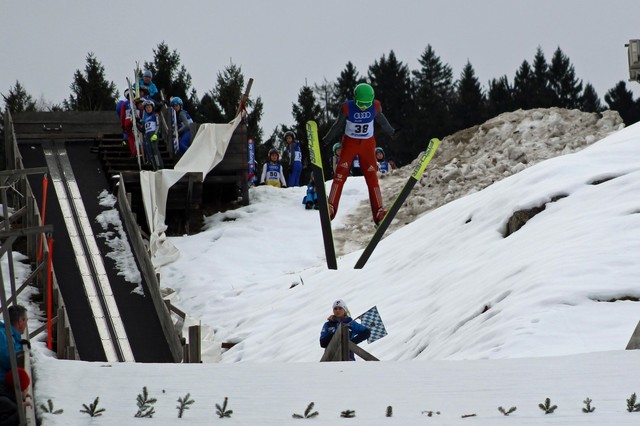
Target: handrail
[{"x": 148, "y": 271}]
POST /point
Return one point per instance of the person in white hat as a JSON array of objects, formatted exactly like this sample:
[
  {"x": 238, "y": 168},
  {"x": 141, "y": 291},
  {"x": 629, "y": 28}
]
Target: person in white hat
[{"x": 341, "y": 315}]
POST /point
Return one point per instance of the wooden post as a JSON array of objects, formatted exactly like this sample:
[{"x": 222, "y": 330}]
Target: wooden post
[
  {"x": 185, "y": 353},
  {"x": 61, "y": 334},
  {"x": 634, "y": 342},
  {"x": 245, "y": 97},
  {"x": 195, "y": 355},
  {"x": 344, "y": 342}
]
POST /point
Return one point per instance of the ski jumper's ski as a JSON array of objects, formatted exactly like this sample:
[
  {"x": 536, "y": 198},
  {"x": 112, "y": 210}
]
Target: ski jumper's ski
[
  {"x": 136, "y": 135},
  {"x": 318, "y": 174},
  {"x": 397, "y": 203}
]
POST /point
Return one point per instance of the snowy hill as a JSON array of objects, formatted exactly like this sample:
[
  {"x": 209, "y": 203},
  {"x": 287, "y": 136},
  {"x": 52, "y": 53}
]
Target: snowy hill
[
  {"x": 473, "y": 159},
  {"x": 476, "y": 320}
]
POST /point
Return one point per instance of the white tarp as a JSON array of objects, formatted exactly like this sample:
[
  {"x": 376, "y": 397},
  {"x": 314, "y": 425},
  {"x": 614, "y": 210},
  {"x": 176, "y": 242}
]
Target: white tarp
[{"x": 206, "y": 151}]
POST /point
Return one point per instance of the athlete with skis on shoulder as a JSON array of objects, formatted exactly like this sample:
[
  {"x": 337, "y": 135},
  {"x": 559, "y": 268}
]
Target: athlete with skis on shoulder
[
  {"x": 272, "y": 172},
  {"x": 356, "y": 121},
  {"x": 295, "y": 158},
  {"x": 357, "y": 332},
  {"x": 125, "y": 112},
  {"x": 183, "y": 121}
]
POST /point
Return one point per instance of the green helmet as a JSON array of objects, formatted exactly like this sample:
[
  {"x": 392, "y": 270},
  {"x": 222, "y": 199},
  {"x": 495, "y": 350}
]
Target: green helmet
[
  {"x": 336, "y": 146},
  {"x": 363, "y": 94}
]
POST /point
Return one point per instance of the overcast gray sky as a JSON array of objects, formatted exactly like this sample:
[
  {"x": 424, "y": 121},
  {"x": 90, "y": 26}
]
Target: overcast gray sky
[{"x": 284, "y": 43}]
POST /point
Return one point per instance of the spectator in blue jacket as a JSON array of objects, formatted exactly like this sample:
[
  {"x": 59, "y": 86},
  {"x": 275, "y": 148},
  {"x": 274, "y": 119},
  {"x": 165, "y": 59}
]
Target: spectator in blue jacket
[
  {"x": 341, "y": 315},
  {"x": 18, "y": 319},
  {"x": 146, "y": 81},
  {"x": 310, "y": 200}
]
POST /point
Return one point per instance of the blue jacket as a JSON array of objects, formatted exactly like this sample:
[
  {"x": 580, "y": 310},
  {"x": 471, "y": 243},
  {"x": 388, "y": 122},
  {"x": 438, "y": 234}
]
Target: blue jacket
[
  {"x": 359, "y": 333},
  {"x": 5, "y": 362},
  {"x": 295, "y": 153},
  {"x": 153, "y": 89}
]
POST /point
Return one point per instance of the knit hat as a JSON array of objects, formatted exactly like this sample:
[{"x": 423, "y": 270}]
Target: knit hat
[
  {"x": 24, "y": 379},
  {"x": 340, "y": 303}
]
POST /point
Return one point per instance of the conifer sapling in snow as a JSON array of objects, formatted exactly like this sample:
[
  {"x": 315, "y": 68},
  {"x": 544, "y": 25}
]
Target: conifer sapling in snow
[
  {"x": 145, "y": 404},
  {"x": 588, "y": 408},
  {"x": 547, "y": 407},
  {"x": 92, "y": 409},
  {"x": 49, "y": 408},
  {"x": 307, "y": 413},
  {"x": 507, "y": 412},
  {"x": 222, "y": 411},
  {"x": 184, "y": 404},
  {"x": 631, "y": 403}
]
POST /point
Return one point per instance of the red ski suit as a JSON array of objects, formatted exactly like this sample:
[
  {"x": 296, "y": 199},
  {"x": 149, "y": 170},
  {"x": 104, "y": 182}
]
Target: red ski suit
[
  {"x": 358, "y": 139},
  {"x": 127, "y": 125}
]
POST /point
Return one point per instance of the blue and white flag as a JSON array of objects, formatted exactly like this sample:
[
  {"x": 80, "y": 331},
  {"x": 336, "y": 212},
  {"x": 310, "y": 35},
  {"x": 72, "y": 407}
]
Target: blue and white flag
[{"x": 371, "y": 319}]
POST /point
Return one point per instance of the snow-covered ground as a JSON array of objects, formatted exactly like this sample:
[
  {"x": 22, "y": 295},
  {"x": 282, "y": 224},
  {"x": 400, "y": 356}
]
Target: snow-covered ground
[{"x": 476, "y": 320}]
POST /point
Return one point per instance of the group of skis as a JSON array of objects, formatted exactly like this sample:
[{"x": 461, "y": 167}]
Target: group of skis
[{"x": 325, "y": 220}]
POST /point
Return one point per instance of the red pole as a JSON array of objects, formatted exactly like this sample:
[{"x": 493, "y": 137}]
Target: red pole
[
  {"x": 50, "y": 296},
  {"x": 45, "y": 185}
]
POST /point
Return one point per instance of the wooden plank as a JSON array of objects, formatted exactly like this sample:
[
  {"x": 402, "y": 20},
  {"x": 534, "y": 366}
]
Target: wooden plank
[
  {"x": 361, "y": 352},
  {"x": 634, "y": 342}
]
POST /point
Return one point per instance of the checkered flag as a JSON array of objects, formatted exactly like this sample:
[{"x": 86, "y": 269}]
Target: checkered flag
[{"x": 371, "y": 319}]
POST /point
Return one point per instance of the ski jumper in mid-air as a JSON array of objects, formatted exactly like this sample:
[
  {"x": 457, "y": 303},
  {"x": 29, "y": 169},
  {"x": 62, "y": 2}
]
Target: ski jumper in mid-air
[{"x": 356, "y": 119}]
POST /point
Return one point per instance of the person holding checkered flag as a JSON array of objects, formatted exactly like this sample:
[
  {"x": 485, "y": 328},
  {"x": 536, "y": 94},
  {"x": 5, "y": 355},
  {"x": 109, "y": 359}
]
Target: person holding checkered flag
[{"x": 341, "y": 315}]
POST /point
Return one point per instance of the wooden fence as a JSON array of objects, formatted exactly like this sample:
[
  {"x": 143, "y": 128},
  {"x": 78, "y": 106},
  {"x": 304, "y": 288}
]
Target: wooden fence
[{"x": 339, "y": 347}]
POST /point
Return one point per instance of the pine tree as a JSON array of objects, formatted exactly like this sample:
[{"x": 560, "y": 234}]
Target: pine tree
[
  {"x": 523, "y": 86},
  {"x": 347, "y": 82},
  {"x": 307, "y": 108},
  {"x": 500, "y": 97},
  {"x": 208, "y": 110},
  {"x": 433, "y": 93},
  {"x": 541, "y": 94},
  {"x": 221, "y": 103},
  {"x": 325, "y": 94},
  {"x": 469, "y": 106},
  {"x": 564, "y": 85},
  {"x": 391, "y": 81},
  {"x": 171, "y": 77},
  {"x": 589, "y": 100},
  {"x": 620, "y": 99},
  {"x": 18, "y": 100},
  {"x": 91, "y": 90}
]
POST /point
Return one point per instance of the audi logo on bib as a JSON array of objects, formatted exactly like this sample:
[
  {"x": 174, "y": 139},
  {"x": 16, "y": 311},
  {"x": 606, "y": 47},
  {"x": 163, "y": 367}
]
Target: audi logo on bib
[{"x": 362, "y": 115}]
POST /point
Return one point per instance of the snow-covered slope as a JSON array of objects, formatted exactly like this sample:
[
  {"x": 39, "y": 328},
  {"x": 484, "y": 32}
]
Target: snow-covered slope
[{"x": 472, "y": 159}]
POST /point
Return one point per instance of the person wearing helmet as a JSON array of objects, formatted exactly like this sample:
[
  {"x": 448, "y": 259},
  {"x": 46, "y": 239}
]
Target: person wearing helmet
[
  {"x": 333, "y": 161},
  {"x": 125, "y": 112},
  {"x": 272, "y": 172},
  {"x": 181, "y": 120},
  {"x": 356, "y": 121},
  {"x": 383, "y": 165},
  {"x": 295, "y": 158},
  {"x": 150, "y": 140}
]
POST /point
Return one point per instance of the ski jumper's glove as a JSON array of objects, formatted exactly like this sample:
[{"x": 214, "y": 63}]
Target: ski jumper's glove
[{"x": 154, "y": 138}]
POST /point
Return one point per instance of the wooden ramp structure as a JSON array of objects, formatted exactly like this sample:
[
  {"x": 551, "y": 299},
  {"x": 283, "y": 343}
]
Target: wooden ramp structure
[{"x": 87, "y": 152}]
